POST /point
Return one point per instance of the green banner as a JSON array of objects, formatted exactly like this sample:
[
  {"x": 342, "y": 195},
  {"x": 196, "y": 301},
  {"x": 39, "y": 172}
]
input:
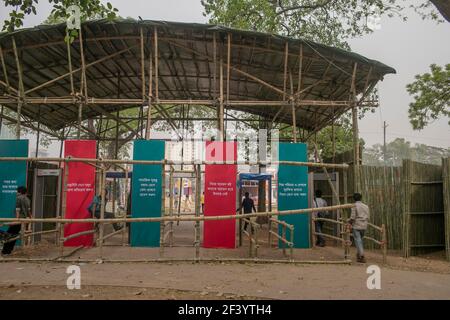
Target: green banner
[
  {"x": 146, "y": 195},
  {"x": 293, "y": 192},
  {"x": 13, "y": 174}
]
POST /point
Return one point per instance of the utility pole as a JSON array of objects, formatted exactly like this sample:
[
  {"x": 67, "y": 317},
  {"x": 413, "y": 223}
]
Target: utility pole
[{"x": 384, "y": 143}]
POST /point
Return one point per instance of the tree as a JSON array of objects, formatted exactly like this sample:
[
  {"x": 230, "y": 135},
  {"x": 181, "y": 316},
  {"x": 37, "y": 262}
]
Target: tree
[
  {"x": 444, "y": 8},
  {"x": 400, "y": 149},
  {"x": 431, "y": 97},
  {"x": 88, "y": 9},
  {"x": 330, "y": 22}
]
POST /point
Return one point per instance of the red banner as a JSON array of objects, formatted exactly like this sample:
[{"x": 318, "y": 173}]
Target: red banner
[
  {"x": 220, "y": 195},
  {"x": 80, "y": 190}
]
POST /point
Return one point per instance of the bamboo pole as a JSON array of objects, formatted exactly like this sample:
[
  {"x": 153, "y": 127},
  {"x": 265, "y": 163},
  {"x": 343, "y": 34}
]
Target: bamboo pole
[
  {"x": 5, "y": 72},
  {"x": 171, "y": 203},
  {"x": 162, "y": 225},
  {"x": 228, "y": 65},
  {"x": 286, "y": 61},
  {"x": 124, "y": 228},
  {"x": 21, "y": 89},
  {"x": 355, "y": 130},
  {"x": 156, "y": 65},
  {"x": 197, "y": 212},
  {"x": 292, "y": 243},
  {"x": 79, "y": 234},
  {"x": 60, "y": 226},
  {"x": 69, "y": 61},
  {"x": 221, "y": 106},
  {"x": 347, "y": 242},
  {"x": 218, "y": 260},
  {"x": 150, "y": 100},
  {"x": 143, "y": 84},
  {"x": 102, "y": 211}
]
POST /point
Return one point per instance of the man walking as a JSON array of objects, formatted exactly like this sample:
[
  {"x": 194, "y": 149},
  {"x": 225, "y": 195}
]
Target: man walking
[
  {"x": 359, "y": 219},
  {"x": 95, "y": 209},
  {"x": 22, "y": 211},
  {"x": 319, "y": 203},
  {"x": 248, "y": 205}
]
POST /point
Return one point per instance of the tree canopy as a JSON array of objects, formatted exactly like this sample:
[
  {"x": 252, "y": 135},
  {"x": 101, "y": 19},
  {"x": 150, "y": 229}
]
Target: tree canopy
[
  {"x": 330, "y": 22},
  {"x": 431, "y": 92},
  {"x": 400, "y": 149}
]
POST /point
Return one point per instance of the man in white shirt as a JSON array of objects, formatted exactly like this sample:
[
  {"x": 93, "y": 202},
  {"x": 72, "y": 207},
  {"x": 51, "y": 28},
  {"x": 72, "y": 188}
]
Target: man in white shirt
[
  {"x": 319, "y": 203},
  {"x": 359, "y": 219}
]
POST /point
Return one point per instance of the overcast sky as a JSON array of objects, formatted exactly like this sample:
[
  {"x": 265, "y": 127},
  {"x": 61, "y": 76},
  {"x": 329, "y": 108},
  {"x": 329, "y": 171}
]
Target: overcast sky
[{"x": 408, "y": 47}]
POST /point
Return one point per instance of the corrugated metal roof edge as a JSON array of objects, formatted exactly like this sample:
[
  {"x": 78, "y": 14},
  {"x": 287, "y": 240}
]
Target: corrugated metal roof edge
[{"x": 385, "y": 68}]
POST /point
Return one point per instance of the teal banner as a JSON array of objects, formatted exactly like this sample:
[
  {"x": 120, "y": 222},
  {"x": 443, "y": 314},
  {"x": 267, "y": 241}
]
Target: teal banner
[
  {"x": 293, "y": 192},
  {"x": 13, "y": 174},
  {"x": 146, "y": 192}
]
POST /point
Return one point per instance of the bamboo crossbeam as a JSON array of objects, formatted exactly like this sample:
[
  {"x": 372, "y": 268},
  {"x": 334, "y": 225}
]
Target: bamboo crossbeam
[
  {"x": 79, "y": 234},
  {"x": 109, "y": 235},
  {"x": 165, "y": 260},
  {"x": 426, "y": 182},
  {"x": 283, "y": 223},
  {"x": 191, "y": 102},
  {"x": 373, "y": 240},
  {"x": 168, "y": 162},
  {"x": 328, "y": 236},
  {"x": 375, "y": 227},
  {"x": 249, "y": 236},
  {"x": 185, "y": 218},
  {"x": 281, "y": 238},
  {"x": 329, "y": 220},
  {"x": 80, "y": 69}
]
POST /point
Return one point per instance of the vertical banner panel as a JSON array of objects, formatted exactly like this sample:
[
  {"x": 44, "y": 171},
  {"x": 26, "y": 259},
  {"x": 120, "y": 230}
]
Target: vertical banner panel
[
  {"x": 80, "y": 190},
  {"x": 220, "y": 195},
  {"x": 293, "y": 192},
  {"x": 13, "y": 174},
  {"x": 146, "y": 197}
]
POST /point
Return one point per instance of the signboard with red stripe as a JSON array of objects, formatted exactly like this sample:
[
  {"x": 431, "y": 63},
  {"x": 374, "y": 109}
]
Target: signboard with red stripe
[
  {"x": 220, "y": 195},
  {"x": 80, "y": 190}
]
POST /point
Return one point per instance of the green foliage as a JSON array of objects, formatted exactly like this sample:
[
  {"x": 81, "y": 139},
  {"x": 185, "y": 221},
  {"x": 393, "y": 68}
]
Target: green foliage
[
  {"x": 89, "y": 9},
  {"x": 431, "y": 92},
  {"x": 330, "y": 22},
  {"x": 400, "y": 149}
]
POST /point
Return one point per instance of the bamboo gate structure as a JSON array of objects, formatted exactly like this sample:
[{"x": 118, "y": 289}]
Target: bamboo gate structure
[
  {"x": 164, "y": 70},
  {"x": 167, "y": 219}
]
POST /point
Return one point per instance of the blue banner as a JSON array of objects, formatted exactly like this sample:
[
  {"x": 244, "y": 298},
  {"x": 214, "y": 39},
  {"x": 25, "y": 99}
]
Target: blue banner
[
  {"x": 146, "y": 195},
  {"x": 293, "y": 192},
  {"x": 13, "y": 174}
]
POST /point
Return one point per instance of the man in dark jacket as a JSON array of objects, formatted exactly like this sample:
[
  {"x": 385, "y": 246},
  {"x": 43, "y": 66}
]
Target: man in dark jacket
[{"x": 23, "y": 210}]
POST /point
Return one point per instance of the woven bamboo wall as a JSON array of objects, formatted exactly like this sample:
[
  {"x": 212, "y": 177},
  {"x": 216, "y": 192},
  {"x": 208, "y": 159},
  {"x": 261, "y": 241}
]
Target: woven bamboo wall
[
  {"x": 424, "y": 228},
  {"x": 446, "y": 194}
]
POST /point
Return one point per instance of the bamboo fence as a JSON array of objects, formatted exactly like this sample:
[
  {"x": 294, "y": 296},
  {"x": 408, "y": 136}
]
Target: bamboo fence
[
  {"x": 446, "y": 189},
  {"x": 424, "y": 227}
]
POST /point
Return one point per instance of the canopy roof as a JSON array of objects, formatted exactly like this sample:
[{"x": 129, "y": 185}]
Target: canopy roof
[{"x": 263, "y": 68}]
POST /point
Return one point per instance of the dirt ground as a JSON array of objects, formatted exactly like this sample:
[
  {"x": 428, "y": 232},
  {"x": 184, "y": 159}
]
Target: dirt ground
[{"x": 425, "y": 277}]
